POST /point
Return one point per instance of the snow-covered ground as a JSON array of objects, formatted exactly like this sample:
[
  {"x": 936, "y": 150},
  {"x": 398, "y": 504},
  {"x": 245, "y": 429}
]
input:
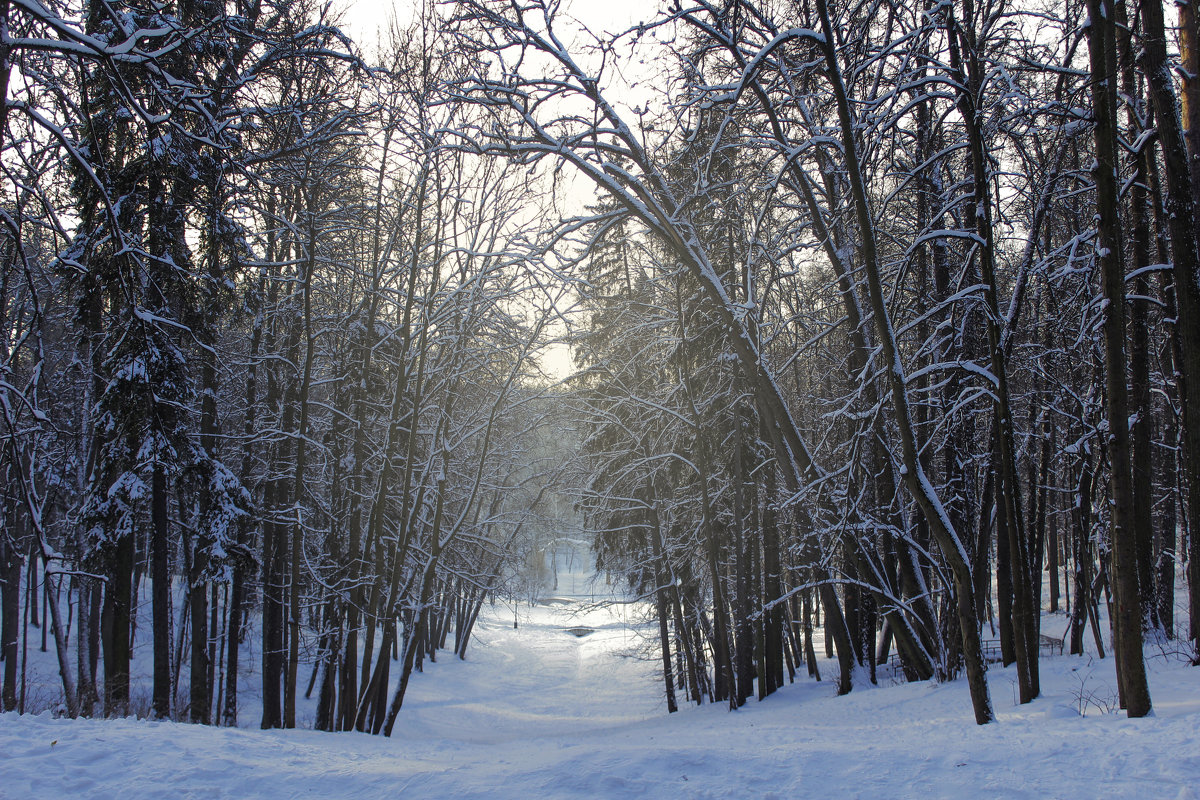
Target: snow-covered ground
[{"x": 537, "y": 712}]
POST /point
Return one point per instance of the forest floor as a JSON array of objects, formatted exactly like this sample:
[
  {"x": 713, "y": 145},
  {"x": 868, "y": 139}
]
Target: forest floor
[{"x": 537, "y": 712}]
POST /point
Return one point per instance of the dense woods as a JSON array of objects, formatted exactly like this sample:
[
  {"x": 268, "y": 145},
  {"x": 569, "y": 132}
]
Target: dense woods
[{"x": 885, "y": 322}]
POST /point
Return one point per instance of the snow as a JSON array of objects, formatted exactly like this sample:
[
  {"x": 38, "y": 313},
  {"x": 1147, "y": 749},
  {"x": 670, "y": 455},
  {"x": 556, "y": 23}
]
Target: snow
[{"x": 540, "y": 712}]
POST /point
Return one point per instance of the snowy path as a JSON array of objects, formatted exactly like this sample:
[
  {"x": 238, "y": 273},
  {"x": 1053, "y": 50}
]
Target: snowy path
[
  {"x": 536, "y": 681},
  {"x": 538, "y": 713}
]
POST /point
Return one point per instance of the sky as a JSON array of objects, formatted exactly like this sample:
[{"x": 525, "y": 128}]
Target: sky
[{"x": 364, "y": 19}]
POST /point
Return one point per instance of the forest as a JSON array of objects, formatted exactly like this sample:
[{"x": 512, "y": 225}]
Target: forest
[{"x": 883, "y": 323}]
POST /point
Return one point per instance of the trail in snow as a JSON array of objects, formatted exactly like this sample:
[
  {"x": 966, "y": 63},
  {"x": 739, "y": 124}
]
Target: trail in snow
[
  {"x": 539, "y": 713},
  {"x": 538, "y": 680}
]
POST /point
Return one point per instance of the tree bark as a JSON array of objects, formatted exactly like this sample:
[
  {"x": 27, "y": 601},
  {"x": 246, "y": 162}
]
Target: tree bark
[
  {"x": 1181, "y": 216},
  {"x": 1127, "y": 619},
  {"x": 10, "y": 596},
  {"x": 161, "y": 582}
]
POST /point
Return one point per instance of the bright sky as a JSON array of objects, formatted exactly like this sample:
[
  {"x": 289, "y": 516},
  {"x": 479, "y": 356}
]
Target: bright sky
[{"x": 364, "y": 19}]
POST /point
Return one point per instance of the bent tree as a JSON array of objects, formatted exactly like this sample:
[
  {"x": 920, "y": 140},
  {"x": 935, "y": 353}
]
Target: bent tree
[{"x": 611, "y": 154}]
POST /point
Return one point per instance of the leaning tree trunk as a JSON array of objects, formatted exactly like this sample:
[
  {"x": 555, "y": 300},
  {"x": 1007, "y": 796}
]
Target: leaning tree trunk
[{"x": 913, "y": 472}]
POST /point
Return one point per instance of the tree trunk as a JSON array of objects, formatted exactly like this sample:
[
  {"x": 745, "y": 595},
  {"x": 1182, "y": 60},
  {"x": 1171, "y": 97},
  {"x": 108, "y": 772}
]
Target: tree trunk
[
  {"x": 10, "y": 597},
  {"x": 1142, "y": 463},
  {"x": 274, "y": 558},
  {"x": 1008, "y": 488},
  {"x": 199, "y": 689},
  {"x": 1127, "y": 620},
  {"x": 413, "y": 640},
  {"x": 161, "y": 581},
  {"x": 118, "y": 603},
  {"x": 1181, "y": 217},
  {"x": 274, "y": 549}
]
